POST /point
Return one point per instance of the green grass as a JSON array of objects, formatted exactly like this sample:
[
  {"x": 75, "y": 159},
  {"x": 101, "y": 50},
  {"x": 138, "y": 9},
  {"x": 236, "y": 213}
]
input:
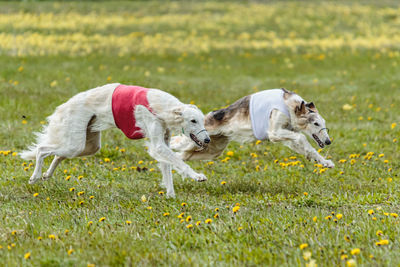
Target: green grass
[{"x": 275, "y": 215}]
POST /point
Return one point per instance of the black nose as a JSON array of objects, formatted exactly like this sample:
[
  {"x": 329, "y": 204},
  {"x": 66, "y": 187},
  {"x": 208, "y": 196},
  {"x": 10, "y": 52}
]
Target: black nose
[
  {"x": 207, "y": 140},
  {"x": 328, "y": 142}
]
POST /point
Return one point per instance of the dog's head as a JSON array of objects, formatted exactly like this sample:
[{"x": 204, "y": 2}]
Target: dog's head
[
  {"x": 306, "y": 118},
  {"x": 191, "y": 119}
]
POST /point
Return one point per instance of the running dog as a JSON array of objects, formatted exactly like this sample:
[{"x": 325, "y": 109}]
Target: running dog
[
  {"x": 74, "y": 128},
  {"x": 277, "y": 115}
]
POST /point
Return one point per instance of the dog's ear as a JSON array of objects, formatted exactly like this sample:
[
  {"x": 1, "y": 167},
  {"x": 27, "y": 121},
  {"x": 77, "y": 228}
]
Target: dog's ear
[
  {"x": 286, "y": 93},
  {"x": 311, "y": 107},
  {"x": 219, "y": 114},
  {"x": 301, "y": 109},
  {"x": 177, "y": 113}
]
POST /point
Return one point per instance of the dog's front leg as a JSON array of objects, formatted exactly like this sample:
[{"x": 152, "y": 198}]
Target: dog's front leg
[
  {"x": 160, "y": 151},
  {"x": 299, "y": 143}
]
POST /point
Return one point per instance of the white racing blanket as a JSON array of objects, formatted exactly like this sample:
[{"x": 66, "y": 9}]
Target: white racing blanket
[{"x": 261, "y": 106}]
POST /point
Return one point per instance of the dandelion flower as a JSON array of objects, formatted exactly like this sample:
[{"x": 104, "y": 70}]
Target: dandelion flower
[
  {"x": 223, "y": 183},
  {"x": 27, "y": 256},
  {"x": 394, "y": 215},
  {"x": 72, "y": 189},
  {"x": 102, "y": 219},
  {"x": 91, "y": 197},
  {"x": 184, "y": 204},
  {"x": 355, "y": 251},
  {"x": 39, "y": 238},
  {"x": 70, "y": 251},
  {"x": 370, "y": 212},
  {"x": 36, "y": 194},
  {"x": 303, "y": 246},
  {"x": 161, "y": 193},
  {"x": 53, "y": 237},
  {"x": 128, "y": 222},
  {"x": 240, "y": 228},
  {"x": 198, "y": 223},
  {"x": 339, "y": 216},
  {"x": 208, "y": 221},
  {"x": 315, "y": 219},
  {"x": 236, "y": 209},
  {"x": 189, "y": 226},
  {"x": 180, "y": 216},
  {"x": 216, "y": 215},
  {"x": 188, "y": 218},
  {"x": 165, "y": 214},
  {"x": 229, "y": 153},
  {"x": 379, "y": 233},
  {"x": 66, "y": 231}
]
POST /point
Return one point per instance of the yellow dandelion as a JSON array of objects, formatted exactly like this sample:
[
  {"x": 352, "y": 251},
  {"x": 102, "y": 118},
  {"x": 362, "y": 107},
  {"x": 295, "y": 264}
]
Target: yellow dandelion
[
  {"x": 216, "y": 215},
  {"x": 53, "y": 237},
  {"x": 198, "y": 223},
  {"x": 102, "y": 219},
  {"x": 184, "y": 204},
  {"x": 393, "y": 125},
  {"x": 165, "y": 214},
  {"x": 216, "y": 209},
  {"x": 229, "y": 153},
  {"x": 223, "y": 183},
  {"x": 347, "y": 238},
  {"x": 305, "y": 193},
  {"x": 180, "y": 216},
  {"x": 394, "y": 215},
  {"x": 303, "y": 246},
  {"x": 39, "y": 238},
  {"x": 70, "y": 251},
  {"x": 189, "y": 226},
  {"x": 27, "y": 256},
  {"x": 240, "y": 228},
  {"x": 72, "y": 189},
  {"x": 149, "y": 208},
  {"x": 236, "y": 209},
  {"x": 14, "y": 232},
  {"x": 66, "y": 231},
  {"x": 208, "y": 221},
  {"x": 344, "y": 257},
  {"x": 370, "y": 212},
  {"x": 80, "y": 177},
  {"x": 328, "y": 217},
  {"x": 67, "y": 178},
  {"x": 384, "y": 242},
  {"x": 91, "y": 197},
  {"x": 188, "y": 218},
  {"x": 81, "y": 193},
  {"x": 36, "y": 194},
  {"x": 339, "y": 216},
  {"x": 315, "y": 219},
  {"x": 161, "y": 193},
  {"x": 128, "y": 222},
  {"x": 355, "y": 251}
]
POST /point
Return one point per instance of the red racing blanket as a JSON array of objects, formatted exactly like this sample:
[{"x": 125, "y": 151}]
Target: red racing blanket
[{"x": 124, "y": 100}]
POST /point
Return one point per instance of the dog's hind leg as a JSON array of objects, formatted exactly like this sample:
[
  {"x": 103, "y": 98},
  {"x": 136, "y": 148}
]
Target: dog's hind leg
[
  {"x": 52, "y": 168},
  {"x": 42, "y": 153}
]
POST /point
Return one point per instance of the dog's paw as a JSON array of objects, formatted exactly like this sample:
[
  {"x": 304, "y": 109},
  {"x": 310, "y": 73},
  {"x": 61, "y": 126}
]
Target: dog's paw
[
  {"x": 328, "y": 164},
  {"x": 34, "y": 179},
  {"x": 199, "y": 177}
]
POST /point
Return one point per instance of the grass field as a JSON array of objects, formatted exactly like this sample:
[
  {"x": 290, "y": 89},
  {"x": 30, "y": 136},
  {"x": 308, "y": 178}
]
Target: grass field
[{"x": 344, "y": 56}]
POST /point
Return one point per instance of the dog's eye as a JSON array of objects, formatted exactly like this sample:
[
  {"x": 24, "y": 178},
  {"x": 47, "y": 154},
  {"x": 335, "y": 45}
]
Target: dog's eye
[
  {"x": 193, "y": 121},
  {"x": 316, "y": 124}
]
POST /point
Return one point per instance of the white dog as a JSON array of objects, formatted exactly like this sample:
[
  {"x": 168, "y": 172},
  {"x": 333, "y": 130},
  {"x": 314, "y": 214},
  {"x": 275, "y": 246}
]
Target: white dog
[
  {"x": 74, "y": 128},
  {"x": 277, "y": 115}
]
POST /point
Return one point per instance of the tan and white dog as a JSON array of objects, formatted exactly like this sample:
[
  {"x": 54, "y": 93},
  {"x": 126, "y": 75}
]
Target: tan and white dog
[
  {"x": 74, "y": 128},
  {"x": 277, "y": 115}
]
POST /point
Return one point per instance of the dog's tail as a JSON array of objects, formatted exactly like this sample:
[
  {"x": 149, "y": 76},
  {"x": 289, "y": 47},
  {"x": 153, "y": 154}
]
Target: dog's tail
[{"x": 30, "y": 153}]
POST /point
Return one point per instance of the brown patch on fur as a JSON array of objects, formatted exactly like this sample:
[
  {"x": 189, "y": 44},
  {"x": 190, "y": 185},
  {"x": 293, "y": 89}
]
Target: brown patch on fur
[
  {"x": 222, "y": 116},
  {"x": 214, "y": 149},
  {"x": 301, "y": 109},
  {"x": 286, "y": 93}
]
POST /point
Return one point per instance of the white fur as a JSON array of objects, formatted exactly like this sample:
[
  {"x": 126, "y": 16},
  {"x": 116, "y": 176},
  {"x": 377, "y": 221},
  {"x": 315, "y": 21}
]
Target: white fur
[
  {"x": 282, "y": 129},
  {"x": 74, "y": 130}
]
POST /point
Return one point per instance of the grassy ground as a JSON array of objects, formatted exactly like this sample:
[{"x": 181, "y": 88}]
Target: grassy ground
[{"x": 343, "y": 56}]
